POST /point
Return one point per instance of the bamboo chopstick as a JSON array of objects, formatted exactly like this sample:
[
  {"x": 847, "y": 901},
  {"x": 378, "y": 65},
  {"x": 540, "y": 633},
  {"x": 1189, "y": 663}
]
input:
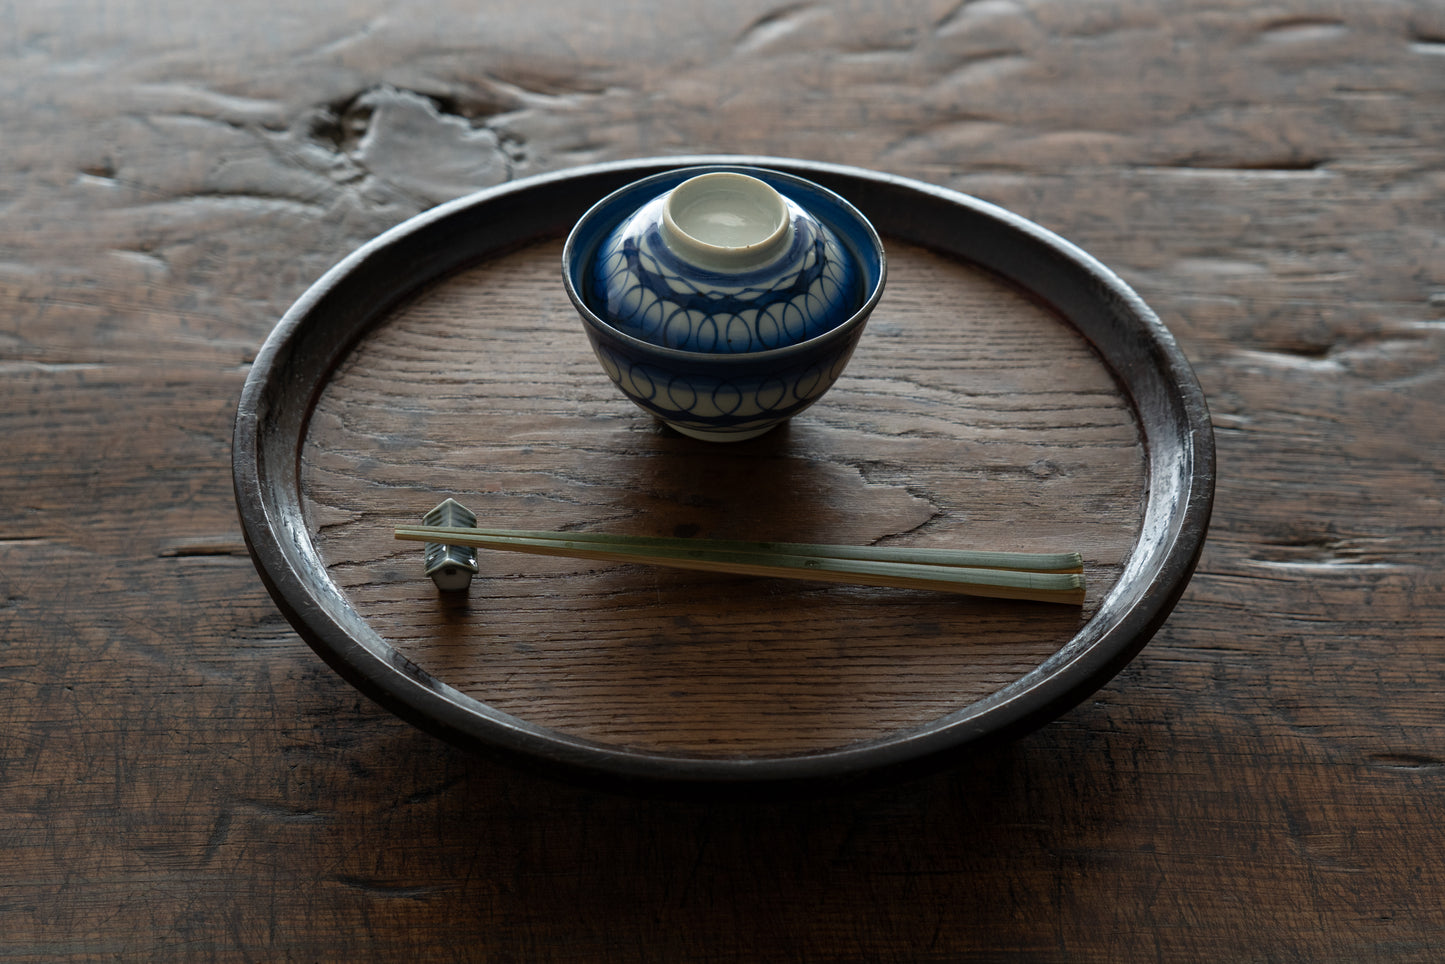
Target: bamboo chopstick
[
  {"x": 1040, "y": 577},
  {"x": 1022, "y": 561}
]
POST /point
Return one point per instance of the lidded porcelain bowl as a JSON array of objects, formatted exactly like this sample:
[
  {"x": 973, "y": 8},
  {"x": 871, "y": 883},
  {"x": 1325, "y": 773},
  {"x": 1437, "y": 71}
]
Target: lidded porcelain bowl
[
  {"x": 724, "y": 263},
  {"x": 723, "y": 300}
]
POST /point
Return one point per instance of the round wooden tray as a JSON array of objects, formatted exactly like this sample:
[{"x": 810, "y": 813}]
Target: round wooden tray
[{"x": 1010, "y": 392}]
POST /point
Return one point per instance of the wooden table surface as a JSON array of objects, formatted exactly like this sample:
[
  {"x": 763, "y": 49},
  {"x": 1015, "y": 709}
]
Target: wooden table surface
[{"x": 181, "y": 778}]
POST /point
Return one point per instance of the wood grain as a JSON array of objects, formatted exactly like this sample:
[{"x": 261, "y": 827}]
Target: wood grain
[
  {"x": 182, "y": 779},
  {"x": 970, "y": 417}
]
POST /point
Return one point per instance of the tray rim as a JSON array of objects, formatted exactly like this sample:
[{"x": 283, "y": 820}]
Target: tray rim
[{"x": 294, "y": 361}]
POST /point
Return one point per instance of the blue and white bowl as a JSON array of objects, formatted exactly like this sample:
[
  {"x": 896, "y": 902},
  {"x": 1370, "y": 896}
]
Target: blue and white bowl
[
  {"x": 724, "y": 263},
  {"x": 724, "y": 300}
]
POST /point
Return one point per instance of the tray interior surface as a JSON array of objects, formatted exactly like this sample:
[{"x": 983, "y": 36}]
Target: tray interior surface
[{"x": 972, "y": 415}]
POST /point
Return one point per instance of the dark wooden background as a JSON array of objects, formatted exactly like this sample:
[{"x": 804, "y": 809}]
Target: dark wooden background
[{"x": 181, "y": 778}]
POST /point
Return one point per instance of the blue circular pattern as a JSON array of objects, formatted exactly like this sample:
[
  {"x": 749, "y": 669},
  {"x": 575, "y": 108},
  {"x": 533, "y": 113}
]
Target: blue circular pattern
[
  {"x": 708, "y": 391},
  {"x": 640, "y": 286},
  {"x": 720, "y": 406}
]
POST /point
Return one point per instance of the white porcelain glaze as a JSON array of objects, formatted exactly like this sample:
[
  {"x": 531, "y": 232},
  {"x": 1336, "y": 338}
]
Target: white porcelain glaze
[
  {"x": 724, "y": 263},
  {"x": 727, "y": 222}
]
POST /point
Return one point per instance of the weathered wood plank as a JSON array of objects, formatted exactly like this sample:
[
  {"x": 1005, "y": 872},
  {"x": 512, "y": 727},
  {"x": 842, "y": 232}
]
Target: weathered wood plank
[{"x": 182, "y": 779}]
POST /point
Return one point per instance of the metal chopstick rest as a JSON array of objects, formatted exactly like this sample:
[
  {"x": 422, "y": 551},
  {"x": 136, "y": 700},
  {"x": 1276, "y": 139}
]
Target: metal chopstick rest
[{"x": 450, "y": 567}]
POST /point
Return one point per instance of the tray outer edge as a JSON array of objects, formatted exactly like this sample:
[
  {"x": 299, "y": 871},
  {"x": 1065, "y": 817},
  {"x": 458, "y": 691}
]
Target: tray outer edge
[{"x": 1161, "y": 386}]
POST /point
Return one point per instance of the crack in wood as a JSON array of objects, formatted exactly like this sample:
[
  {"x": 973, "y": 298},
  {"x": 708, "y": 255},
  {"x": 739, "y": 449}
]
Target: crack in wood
[
  {"x": 379, "y": 889},
  {"x": 1406, "y": 762},
  {"x": 1310, "y": 351},
  {"x": 203, "y": 550},
  {"x": 1303, "y": 27},
  {"x": 1222, "y": 165},
  {"x": 773, "y": 26},
  {"x": 343, "y": 124},
  {"x": 430, "y": 146},
  {"x": 1324, "y": 551},
  {"x": 1427, "y": 42}
]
